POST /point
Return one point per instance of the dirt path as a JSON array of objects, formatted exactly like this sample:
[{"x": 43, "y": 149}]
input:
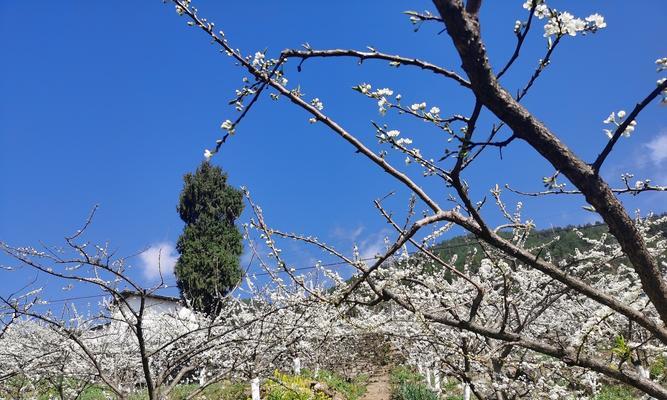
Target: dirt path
[{"x": 379, "y": 387}]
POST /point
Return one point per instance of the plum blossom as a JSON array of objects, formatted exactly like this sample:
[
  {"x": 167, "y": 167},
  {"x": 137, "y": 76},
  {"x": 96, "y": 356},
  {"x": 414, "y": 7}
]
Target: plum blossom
[
  {"x": 616, "y": 118},
  {"x": 541, "y": 9},
  {"x": 258, "y": 60},
  {"x": 418, "y": 106},
  {"x": 207, "y": 154},
  {"x": 661, "y": 63},
  {"x": 662, "y": 66},
  {"x": 564, "y": 23},
  {"x": 382, "y": 105},
  {"x": 384, "y": 92},
  {"x": 596, "y": 21},
  {"x": 528, "y": 4},
  {"x": 364, "y": 88},
  {"x": 611, "y": 118},
  {"x": 317, "y": 103},
  {"x": 228, "y": 126}
]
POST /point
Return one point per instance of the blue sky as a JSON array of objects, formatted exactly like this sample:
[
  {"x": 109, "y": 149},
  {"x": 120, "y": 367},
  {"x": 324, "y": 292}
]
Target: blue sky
[{"x": 110, "y": 103}]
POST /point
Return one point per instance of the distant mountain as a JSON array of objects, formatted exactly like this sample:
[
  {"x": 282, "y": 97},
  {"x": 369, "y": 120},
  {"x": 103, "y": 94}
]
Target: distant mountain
[{"x": 560, "y": 249}]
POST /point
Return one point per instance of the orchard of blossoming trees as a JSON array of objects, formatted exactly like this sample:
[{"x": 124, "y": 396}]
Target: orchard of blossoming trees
[{"x": 520, "y": 323}]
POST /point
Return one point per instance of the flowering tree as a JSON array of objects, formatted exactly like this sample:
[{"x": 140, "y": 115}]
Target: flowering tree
[
  {"x": 518, "y": 323},
  {"x": 126, "y": 346},
  {"x": 642, "y": 310},
  {"x": 531, "y": 307}
]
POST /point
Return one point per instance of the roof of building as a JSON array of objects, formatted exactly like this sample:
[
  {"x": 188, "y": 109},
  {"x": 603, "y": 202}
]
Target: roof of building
[{"x": 133, "y": 293}]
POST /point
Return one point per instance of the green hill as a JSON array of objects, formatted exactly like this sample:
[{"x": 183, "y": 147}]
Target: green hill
[{"x": 565, "y": 240}]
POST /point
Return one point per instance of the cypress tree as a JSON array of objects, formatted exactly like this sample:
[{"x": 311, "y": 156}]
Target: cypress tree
[{"x": 211, "y": 244}]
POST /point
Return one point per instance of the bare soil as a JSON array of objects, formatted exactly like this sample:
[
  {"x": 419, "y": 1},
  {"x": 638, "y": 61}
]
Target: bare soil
[{"x": 379, "y": 387}]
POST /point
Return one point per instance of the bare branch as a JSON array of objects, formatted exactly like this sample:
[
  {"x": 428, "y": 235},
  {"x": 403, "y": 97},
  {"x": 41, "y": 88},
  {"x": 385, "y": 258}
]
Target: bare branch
[{"x": 361, "y": 55}]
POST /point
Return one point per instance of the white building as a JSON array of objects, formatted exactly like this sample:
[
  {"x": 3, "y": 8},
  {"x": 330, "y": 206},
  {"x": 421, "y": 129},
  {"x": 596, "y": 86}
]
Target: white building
[
  {"x": 153, "y": 303},
  {"x": 156, "y": 307}
]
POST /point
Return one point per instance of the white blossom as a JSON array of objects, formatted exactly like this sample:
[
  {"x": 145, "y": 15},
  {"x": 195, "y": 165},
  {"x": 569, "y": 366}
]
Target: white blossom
[
  {"x": 317, "y": 103},
  {"x": 418, "y": 106},
  {"x": 227, "y": 125},
  {"x": 258, "y": 60},
  {"x": 596, "y": 21}
]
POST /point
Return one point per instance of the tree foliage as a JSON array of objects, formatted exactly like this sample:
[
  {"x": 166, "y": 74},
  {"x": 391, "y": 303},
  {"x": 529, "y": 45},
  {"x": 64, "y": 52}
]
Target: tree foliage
[{"x": 211, "y": 244}]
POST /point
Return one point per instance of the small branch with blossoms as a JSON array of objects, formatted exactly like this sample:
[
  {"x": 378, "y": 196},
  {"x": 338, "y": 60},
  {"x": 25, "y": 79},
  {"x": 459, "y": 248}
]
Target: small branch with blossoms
[
  {"x": 627, "y": 125},
  {"x": 635, "y": 189}
]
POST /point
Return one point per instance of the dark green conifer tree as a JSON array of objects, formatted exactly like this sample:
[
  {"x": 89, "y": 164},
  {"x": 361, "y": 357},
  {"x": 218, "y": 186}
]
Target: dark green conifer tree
[{"x": 211, "y": 244}]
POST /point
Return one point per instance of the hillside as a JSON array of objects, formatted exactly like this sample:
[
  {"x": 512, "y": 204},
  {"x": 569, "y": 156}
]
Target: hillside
[{"x": 560, "y": 249}]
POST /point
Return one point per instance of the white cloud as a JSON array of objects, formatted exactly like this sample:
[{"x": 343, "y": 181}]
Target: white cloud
[
  {"x": 369, "y": 244},
  {"x": 246, "y": 257},
  {"x": 658, "y": 149},
  {"x": 159, "y": 258},
  {"x": 347, "y": 234},
  {"x": 373, "y": 245}
]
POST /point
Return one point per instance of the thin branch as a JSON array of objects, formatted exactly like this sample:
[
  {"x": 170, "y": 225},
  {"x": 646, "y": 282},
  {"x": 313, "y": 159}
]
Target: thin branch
[
  {"x": 521, "y": 37},
  {"x": 315, "y": 112},
  {"x": 628, "y": 190},
  {"x": 622, "y": 127},
  {"x": 363, "y": 55}
]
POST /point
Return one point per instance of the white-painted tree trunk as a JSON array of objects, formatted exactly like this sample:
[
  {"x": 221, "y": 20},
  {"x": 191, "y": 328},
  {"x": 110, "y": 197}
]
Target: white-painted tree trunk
[
  {"x": 428, "y": 378},
  {"x": 466, "y": 391},
  {"x": 297, "y": 365},
  {"x": 436, "y": 381},
  {"x": 646, "y": 374},
  {"x": 202, "y": 376},
  {"x": 254, "y": 387}
]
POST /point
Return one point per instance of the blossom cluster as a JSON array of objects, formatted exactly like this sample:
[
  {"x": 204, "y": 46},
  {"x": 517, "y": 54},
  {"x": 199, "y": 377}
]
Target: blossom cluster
[
  {"x": 662, "y": 66},
  {"x": 562, "y": 22},
  {"x": 616, "y": 118}
]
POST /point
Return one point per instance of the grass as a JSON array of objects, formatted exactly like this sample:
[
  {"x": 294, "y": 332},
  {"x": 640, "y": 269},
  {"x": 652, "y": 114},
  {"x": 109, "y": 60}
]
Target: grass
[
  {"x": 615, "y": 393},
  {"x": 217, "y": 391},
  {"x": 349, "y": 389},
  {"x": 280, "y": 387},
  {"x": 94, "y": 393},
  {"x": 291, "y": 387},
  {"x": 402, "y": 374},
  {"x": 406, "y": 384}
]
